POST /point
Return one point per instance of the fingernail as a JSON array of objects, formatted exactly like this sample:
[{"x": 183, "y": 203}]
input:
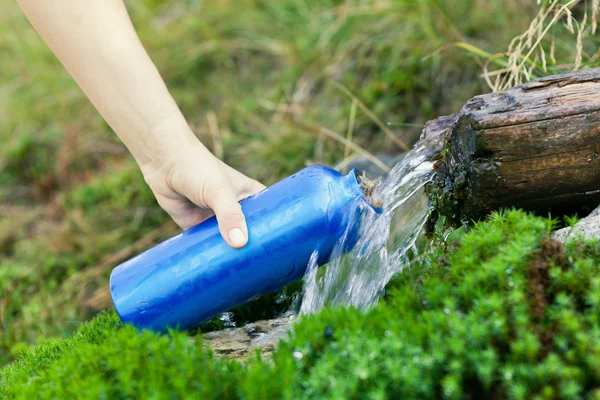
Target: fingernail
[{"x": 237, "y": 237}]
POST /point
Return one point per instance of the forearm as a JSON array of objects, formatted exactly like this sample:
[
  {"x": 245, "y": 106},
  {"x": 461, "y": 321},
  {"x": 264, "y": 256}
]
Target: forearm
[{"x": 96, "y": 42}]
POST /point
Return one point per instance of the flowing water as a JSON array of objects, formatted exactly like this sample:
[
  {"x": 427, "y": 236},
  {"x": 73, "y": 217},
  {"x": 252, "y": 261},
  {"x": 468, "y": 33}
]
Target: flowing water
[{"x": 386, "y": 241}]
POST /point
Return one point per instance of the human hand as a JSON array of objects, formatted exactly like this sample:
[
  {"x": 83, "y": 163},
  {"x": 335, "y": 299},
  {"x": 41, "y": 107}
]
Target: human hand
[
  {"x": 97, "y": 43},
  {"x": 194, "y": 185}
]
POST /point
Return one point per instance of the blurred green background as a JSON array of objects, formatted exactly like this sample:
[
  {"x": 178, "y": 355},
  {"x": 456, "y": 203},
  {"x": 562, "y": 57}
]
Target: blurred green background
[{"x": 257, "y": 81}]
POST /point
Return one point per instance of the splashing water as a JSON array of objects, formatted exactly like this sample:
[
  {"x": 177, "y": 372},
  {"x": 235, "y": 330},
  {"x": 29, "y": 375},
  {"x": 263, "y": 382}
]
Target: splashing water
[
  {"x": 385, "y": 246},
  {"x": 386, "y": 241}
]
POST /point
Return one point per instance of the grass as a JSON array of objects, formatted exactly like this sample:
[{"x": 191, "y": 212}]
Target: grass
[
  {"x": 269, "y": 86},
  {"x": 562, "y": 30},
  {"x": 506, "y": 313}
]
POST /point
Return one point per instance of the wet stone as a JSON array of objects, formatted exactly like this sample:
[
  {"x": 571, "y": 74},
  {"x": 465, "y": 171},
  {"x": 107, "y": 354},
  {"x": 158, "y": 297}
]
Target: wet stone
[{"x": 240, "y": 343}]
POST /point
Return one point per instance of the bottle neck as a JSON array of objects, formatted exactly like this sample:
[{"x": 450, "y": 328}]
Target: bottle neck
[{"x": 365, "y": 187}]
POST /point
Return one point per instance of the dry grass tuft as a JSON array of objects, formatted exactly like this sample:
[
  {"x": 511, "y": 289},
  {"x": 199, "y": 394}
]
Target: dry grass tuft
[{"x": 533, "y": 53}]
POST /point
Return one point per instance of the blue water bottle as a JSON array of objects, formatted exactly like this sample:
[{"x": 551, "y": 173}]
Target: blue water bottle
[{"x": 194, "y": 276}]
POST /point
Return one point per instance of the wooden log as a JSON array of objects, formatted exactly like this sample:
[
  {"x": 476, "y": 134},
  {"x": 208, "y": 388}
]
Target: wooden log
[{"x": 535, "y": 147}]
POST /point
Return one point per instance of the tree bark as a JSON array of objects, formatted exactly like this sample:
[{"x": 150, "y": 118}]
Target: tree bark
[{"x": 535, "y": 147}]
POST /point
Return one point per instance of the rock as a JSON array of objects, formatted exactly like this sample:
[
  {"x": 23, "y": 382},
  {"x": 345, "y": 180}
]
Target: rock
[
  {"x": 239, "y": 343},
  {"x": 588, "y": 227}
]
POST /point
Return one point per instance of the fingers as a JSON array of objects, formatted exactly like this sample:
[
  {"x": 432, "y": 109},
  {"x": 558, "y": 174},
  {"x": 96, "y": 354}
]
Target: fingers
[
  {"x": 218, "y": 189},
  {"x": 251, "y": 187},
  {"x": 188, "y": 219},
  {"x": 185, "y": 213},
  {"x": 232, "y": 223},
  {"x": 256, "y": 187}
]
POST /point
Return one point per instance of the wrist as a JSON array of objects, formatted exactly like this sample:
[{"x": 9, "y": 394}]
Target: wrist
[{"x": 165, "y": 144}]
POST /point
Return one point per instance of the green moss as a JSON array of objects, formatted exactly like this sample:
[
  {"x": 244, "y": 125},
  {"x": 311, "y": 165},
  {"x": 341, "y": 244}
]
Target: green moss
[
  {"x": 37, "y": 298},
  {"x": 506, "y": 313}
]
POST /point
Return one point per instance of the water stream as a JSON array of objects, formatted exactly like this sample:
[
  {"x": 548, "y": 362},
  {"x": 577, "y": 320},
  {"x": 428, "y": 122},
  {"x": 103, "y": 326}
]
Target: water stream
[{"x": 385, "y": 246}]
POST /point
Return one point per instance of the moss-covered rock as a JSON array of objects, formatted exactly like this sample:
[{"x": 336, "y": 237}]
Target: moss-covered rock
[{"x": 506, "y": 313}]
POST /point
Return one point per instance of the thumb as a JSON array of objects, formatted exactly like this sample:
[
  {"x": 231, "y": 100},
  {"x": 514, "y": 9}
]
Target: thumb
[{"x": 232, "y": 223}]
